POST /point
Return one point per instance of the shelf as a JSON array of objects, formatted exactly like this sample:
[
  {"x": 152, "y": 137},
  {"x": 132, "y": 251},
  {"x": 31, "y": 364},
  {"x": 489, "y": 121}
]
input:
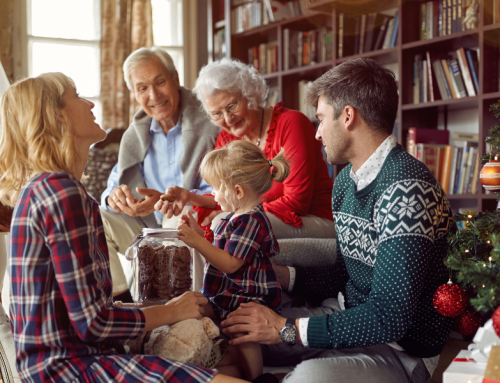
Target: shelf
[
  {"x": 491, "y": 27},
  {"x": 377, "y": 53},
  {"x": 307, "y": 68},
  {"x": 264, "y": 28},
  {"x": 461, "y": 103},
  {"x": 436, "y": 40},
  {"x": 487, "y": 96},
  {"x": 270, "y": 76}
]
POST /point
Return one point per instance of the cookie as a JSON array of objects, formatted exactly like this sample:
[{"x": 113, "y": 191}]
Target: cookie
[
  {"x": 163, "y": 258},
  {"x": 182, "y": 283},
  {"x": 141, "y": 200},
  {"x": 167, "y": 197},
  {"x": 146, "y": 255},
  {"x": 184, "y": 254}
]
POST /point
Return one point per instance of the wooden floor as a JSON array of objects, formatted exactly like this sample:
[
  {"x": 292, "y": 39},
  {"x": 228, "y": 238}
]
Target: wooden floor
[{"x": 451, "y": 350}]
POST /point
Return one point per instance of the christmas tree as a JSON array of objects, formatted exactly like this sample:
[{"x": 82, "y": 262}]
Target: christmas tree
[{"x": 474, "y": 250}]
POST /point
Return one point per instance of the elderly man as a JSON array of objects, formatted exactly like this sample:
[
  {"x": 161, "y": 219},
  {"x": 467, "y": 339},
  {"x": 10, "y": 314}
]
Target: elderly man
[
  {"x": 392, "y": 219},
  {"x": 162, "y": 147}
]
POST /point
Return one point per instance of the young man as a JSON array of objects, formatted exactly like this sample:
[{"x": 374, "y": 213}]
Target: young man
[{"x": 391, "y": 219}]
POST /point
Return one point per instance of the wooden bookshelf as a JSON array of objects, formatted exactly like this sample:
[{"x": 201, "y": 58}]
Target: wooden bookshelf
[{"x": 324, "y": 13}]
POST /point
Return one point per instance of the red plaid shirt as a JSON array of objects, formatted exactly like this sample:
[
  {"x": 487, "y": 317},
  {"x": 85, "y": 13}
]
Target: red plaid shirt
[
  {"x": 250, "y": 237},
  {"x": 65, "y": 326}
]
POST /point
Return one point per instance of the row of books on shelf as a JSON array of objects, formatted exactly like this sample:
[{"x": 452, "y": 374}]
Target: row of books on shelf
[
  {"x": 441, "y": 17},
  {"x": 306, "y": 47},
  {"x": 264, "y": 57},
  {"x": 445, "y": 76},
  {"x": 366, "y": 33},
  {"x": 247, "y": 15},
  {"x": 456, "y": 167},
  {"x": 220, "y": 50}
]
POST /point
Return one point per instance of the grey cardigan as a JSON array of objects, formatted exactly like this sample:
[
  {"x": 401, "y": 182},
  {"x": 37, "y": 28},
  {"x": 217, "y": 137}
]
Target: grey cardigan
[{"x": 199, "y": 135}]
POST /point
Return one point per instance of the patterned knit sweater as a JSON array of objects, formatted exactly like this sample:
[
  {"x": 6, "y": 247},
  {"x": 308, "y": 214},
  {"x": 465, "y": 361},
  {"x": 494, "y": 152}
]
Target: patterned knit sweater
[{"x": 391, "y": 244}]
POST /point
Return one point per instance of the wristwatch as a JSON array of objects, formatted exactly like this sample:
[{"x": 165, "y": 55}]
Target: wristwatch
[{"x": 288, "y": 333}]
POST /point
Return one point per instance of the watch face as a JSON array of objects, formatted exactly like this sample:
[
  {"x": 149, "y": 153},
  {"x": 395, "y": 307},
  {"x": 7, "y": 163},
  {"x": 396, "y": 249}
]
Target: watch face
[{"x": 288, "y": 334}]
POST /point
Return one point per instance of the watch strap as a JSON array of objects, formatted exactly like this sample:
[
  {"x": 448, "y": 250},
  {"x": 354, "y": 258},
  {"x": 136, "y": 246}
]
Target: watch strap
[{"x": 290, "y": 321}]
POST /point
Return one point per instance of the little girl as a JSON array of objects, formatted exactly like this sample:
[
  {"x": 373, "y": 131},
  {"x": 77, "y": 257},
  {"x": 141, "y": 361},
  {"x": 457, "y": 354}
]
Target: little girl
[{"x": 238, "y": 268}]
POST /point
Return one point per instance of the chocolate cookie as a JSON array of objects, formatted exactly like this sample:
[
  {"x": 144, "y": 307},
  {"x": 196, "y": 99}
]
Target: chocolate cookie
[
  {"x": 184, "y": 254},
  {"x": 146, "y": 255},
  {"x": 167, "y": 197}
]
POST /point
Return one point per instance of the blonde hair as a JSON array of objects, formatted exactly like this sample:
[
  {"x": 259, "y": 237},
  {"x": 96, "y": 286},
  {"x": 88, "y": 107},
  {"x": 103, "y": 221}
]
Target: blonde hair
[
  {"x": 35, "y": 133},
  {"x": 243, "y": 163}
]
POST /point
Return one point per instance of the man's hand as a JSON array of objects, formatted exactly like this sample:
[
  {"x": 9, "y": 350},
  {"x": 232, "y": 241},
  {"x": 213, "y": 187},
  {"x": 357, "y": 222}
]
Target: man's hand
[
  {"x": 190, "y": 221},
  {"x": 283, "y": 274},
  {"x": 261, "y": 324},
  {"x": 122, "y": 200},
  {"x": 181, "y": 196}
]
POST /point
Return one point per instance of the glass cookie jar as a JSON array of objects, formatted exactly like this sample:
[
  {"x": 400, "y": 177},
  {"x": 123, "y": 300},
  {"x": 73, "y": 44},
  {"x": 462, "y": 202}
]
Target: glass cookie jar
[{"x": 162, "y": 266}]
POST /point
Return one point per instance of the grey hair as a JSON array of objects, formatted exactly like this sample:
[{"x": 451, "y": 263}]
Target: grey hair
[
  {"x": 142, "y": 55},
  {"x": 363, "y": 84},
  {"x": 232, "y": 76}
]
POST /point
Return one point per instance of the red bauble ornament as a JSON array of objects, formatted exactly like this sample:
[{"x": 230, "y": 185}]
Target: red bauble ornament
[
  {"x": 496, "y": 321},
  {"x": 467, "y": 323},
  {"x": 490, "y": 175},
  {"x": 450, "y": 300}
]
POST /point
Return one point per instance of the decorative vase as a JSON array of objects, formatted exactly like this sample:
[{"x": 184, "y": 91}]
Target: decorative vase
[{"x": 490, "y": 175}]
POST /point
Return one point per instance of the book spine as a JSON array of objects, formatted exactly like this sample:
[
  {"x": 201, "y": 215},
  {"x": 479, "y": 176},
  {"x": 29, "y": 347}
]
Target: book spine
[
  {"x": 452, "y": 170},
  {"x": 439, "y": 79},
  {"x": 362, "y": 33},
  {"x": 357, "y": 34},
  {"x": 429, "y": 76},
  {"x": 411, "y": 143},
  {"x": 341, "y": 34},
  {"x": 449, "y": 78},
  {"x": 440, "y": 17},
  {"x": 370, "y": 26},
  {"x": 472, "y": 66},
  {"x": 457, "y": 170},
  {"x": 454, "y": 16},
  {"x": 464, "y": 67},
  {"x": 388, "y": 34},
  {"x": 457, "y": 76},
  {"x": 449, "y": 17},
  {"x": 423, "y": 20},
  {"x": 395, "y": 30},
  {"x": 471, "y": 165},
  {"x": 286, "y": 49},
  {"x": 448, "y": 155}
]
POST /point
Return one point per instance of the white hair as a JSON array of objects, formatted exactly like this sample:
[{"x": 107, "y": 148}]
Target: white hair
[
  {"x": 143, "y": 54},
  {"x": 232, "y": 76}
]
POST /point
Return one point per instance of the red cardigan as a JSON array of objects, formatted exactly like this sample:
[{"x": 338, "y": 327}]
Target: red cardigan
[{"x": 308, "y": 188}]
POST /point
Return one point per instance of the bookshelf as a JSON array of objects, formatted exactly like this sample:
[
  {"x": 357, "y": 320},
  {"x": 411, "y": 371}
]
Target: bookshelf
[{"x": 439, "y": 114}]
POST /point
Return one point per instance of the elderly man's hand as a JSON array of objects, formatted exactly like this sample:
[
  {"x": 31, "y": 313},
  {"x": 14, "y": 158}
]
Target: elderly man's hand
[
  {"x": 122, "y": 200},
  {"x": 181, "y": 196},
  {"x": 261, "y": 324}
]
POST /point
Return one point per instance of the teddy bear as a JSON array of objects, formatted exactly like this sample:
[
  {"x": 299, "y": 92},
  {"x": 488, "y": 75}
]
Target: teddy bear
[{"x": 188, "y": 341}]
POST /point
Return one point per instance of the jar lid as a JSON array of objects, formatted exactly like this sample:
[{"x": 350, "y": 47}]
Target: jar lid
[{"x": 160, "y": 233}]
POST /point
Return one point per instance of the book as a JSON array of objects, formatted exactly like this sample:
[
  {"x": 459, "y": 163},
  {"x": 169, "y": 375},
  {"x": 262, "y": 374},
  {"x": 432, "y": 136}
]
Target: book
[
  {"x": 473, "y": 66},
  {"x": 423, "y": 21},
  {"x": 388, "y": 35},
  {"x": 449, "y": 78},
  {"x": 427, "y": 153},
  {"x": 464, "y": 68},
  {"x": 458, "y": 168},
  {"x": 470, "y": 168},
  {"x": 446, "y": 168},
  {"x": 357, "y": 33},
  {"x": 362, "y": 33},
  {"x": 382, "y": 32},
  {"x": 425, "y": 82},
  {"x": 467, "y": 161},
  {"x": 444, "y": 90},
  {"x": 425, "y": 136},
  {"x": 451, "y": 182},
  {"x": 278, "y": 10},
  {"x": 395, "y": 30},
  {"x": 433, "y": 86},
  {"x": 475, "y": 176},
  {"x": 457, "y": 78},
  {"x": 370, "y": 25}
]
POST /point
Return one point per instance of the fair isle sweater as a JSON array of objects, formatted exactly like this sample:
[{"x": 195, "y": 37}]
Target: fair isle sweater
[{"x": 391, "y": 244}]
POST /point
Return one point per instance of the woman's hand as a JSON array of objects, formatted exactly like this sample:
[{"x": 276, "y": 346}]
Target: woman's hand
[
  {"x": 190, "y": 221},
  {"x": 189, "y": 236},
  {"x": 209, "y": 218},
  {"x": 187, "y": 306},
  {"x": 181, "y": 196}
]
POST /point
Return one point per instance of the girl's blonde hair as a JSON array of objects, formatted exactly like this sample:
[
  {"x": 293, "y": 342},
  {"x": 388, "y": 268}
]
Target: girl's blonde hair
[
  {"x": 35, "y": 135},
  {"x": 243, "y": 163}
]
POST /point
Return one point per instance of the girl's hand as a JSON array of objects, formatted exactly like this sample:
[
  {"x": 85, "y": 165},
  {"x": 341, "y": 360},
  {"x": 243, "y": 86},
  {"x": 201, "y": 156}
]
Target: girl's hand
[
  {"x": 187, "y": 306},
  {"x": 189, "y": 236},
  {"x": 190, "y": 221},
  {"x": 209, "y": 218}
]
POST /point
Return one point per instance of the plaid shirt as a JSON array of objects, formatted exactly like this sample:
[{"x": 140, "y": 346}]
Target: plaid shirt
[
  {"x": 65, "y": 327},
  {"x": 250, "y": 237}
]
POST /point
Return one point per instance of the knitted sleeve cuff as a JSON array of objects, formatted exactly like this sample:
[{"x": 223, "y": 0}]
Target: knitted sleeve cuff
[{"x": 318, "y": 333}]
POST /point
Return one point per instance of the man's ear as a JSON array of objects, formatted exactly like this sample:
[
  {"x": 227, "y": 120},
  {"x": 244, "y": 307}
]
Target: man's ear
[
  {"x": 239, "y": 191},
  {"x": 349, "y": 115}
]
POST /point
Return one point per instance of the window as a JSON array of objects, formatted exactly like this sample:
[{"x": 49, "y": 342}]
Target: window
[
  {"x": 168, "y": 30},
  {"x": 64, "y": 36}
]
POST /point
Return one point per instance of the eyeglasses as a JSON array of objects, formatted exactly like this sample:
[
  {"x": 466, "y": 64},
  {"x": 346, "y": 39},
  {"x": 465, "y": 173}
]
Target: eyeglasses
[{"x": 230, "y": 109}]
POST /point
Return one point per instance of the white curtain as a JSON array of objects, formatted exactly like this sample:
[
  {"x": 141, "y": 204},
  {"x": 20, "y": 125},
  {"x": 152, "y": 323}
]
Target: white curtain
[{"x": 4, "y": 82}]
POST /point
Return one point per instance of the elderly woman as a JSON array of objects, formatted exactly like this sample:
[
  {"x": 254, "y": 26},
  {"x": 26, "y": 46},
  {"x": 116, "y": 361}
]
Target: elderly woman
[
  {"x": 234, "y": 96},
  {"x": 64, "y": 323}
]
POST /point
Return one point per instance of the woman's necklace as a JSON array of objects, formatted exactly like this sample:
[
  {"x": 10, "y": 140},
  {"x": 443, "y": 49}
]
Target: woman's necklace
[{"x": 261, "y": 124}]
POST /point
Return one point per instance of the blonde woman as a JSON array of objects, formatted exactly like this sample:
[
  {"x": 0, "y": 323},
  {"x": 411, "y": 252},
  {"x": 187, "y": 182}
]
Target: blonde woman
[{"x": 65, "y": 326}]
